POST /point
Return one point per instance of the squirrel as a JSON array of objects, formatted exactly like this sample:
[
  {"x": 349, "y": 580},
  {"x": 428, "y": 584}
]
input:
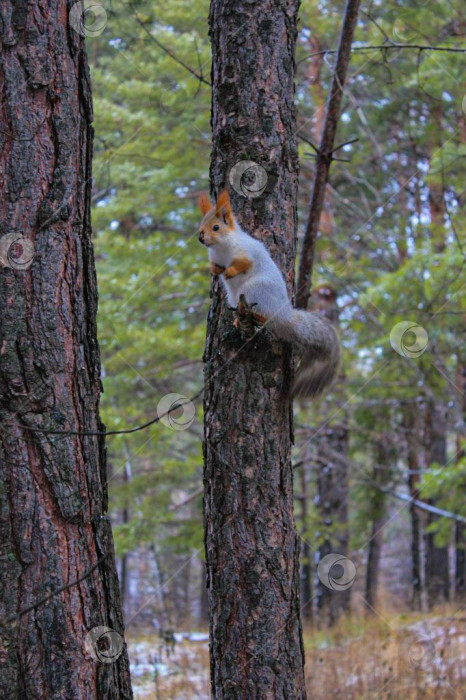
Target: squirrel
[{"x": 248, "y": 272}]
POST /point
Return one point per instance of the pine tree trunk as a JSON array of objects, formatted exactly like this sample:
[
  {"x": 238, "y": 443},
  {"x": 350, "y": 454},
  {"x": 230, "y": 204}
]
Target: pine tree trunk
[
  {"x": 380, "y": 477},
  {"x": 436, "y": 564},
  {"x": 332, "y": 486},
  {"x": 460, "y": 563},
  {"x": 251, "y": 542},
  {"x": 203, "y": 597},
  {"x": 306, "y": 551},
  {"x": 460, "y": 529},
  {"x": 373, "y": 562},
  {"x": 126, "y": 516},
  {"x": 332, "y": 476},
  {"x": 411, "y": 424},
  {"x": 53, "y": 492}
]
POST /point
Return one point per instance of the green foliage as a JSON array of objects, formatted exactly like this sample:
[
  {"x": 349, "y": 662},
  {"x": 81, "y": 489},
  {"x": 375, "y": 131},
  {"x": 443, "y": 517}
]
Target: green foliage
[
  {"x": 389, "y": 255},
  {"x": 447, "y": 485},
  {"x": 151, "y": 160}
]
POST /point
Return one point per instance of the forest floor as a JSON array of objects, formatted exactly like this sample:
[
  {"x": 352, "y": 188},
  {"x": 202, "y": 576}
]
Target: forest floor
[{"x": 403, "y": 657}]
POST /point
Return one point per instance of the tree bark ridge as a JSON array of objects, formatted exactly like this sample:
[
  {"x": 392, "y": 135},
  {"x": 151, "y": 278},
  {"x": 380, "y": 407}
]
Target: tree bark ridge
[
  {"x": 251, "y": 542},
  {"x": 53, "y": 496}
]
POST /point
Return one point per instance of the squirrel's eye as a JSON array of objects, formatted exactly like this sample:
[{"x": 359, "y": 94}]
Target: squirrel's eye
[{"x": 216, "y": 227}]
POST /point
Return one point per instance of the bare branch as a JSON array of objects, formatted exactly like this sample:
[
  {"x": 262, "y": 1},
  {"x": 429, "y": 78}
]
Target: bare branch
[
  {"x": 175, "y": 407},
  {"x": 199, "y": 77},
  {"x": 57, "y": 591},
  {"x": 421, "y": 505},
  {"x": 189, "y": 499},
  {"x": 391, "y": 45},
  {"x": 325, "y": 152}
]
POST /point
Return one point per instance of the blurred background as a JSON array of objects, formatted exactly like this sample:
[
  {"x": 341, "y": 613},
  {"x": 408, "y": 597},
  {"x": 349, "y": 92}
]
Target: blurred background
[{"x": 379, "y": 464}]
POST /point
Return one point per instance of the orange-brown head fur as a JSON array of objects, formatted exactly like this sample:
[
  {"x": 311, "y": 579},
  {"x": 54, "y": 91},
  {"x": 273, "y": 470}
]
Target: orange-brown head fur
[{"x": 218, "y": 219}]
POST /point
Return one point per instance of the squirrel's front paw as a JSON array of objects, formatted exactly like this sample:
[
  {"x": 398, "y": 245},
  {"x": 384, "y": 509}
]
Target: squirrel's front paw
[
  {"x": 216, "y": 269},
  {"x": 246, "y": 319}
]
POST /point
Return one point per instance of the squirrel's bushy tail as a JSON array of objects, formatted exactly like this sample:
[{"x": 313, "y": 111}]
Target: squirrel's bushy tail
[{"x": 316, "y": 340}]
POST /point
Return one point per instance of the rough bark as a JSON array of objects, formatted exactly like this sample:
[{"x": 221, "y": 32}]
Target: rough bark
[
  {"x": 251, "y": 542},
  {"x": 53, "y": 494}
]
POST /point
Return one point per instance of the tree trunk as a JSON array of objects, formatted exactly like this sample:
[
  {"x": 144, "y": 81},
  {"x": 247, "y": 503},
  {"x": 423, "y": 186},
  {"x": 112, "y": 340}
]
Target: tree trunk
[
  {"x": 383, "y": 457},
  {"x": 460, "y": 562},
  {"x": 332, "y": 487},
  {"x": 166, "y": 609},
  {"x": 460, "y": 529},
  {"x": 251, "y": 544},
  {"x": 411, "y": 424},
  {"x": 125, "y": 571},
  {"x": 306, "y": 582},
  {"x": 184, "y": 603},
  {"x": 53, "y": 524},
  {"x": 203, "y": 597},
  {"x": 436, "y": 565},
  {"x": 306, "y": 551},
  {"x": 332, "y": 475},
  {"x": 373, "y": 562}
]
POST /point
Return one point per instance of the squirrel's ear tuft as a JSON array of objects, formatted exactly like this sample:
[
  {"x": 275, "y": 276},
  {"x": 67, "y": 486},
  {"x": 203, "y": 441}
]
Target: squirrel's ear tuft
[
  {"x": 223, "y": 207},
  {"x": 205, "y": 204}
]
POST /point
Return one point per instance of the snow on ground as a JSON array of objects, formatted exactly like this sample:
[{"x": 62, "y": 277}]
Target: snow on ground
[
  {"x": 178, "y": 670},
  {"x": 401, "y": 660}
]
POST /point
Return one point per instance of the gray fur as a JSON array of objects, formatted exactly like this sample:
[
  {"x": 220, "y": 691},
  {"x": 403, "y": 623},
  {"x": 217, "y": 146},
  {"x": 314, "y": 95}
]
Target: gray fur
[
  {"x": 263, "y": 285},
  {"x": 316, "y": 340}
]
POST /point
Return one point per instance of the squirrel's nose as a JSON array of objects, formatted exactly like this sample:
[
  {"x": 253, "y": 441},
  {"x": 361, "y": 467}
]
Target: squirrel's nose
[{"x": 201, "y": 236}]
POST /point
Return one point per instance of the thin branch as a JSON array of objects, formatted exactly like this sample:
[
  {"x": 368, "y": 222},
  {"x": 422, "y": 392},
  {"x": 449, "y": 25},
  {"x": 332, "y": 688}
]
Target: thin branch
[
  {"x": 57, "y": 591},
  {"x": 378, "y": 47},
  {"x": 199, "y": 77},
  {"x": 309, "y": 142},
  {"x": 421, "y": 505},
  {"x": 325, "y": 152},
  {"x": 376, "y": 24},
  {"x": 127, "y": 431},
  {"x": 346, "y": 143},
  {"x": 189, "y": 499},
  {"x": 341, "y": 160}
]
